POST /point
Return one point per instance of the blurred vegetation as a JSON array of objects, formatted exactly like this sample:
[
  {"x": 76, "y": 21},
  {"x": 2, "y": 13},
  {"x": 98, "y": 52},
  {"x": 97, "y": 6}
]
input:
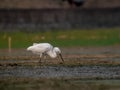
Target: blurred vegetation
[
  {"x": 95, "y": 37},
  {"x": 57, "y": 84},
  {"x": 57, "y": 3}
]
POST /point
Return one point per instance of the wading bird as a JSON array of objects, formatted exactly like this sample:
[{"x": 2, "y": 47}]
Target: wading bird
[{"x": 45, "y": 49}]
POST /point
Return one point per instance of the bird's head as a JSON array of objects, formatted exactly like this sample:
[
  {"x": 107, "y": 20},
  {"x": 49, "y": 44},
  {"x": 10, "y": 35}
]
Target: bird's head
[
  {"x": 29, "y": 48},
  {"x": 57, "y": 50}
]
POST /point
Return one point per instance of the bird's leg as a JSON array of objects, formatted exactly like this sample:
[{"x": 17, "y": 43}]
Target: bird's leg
[
  {"x": 61, "y": 57},
  {"x": 44, "y": 56},
  {"x": 40, "y": 59}
]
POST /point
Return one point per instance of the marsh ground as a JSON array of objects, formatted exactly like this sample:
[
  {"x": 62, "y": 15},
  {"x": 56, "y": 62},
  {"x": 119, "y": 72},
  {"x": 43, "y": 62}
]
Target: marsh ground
[{"x": 91, "y": 68}]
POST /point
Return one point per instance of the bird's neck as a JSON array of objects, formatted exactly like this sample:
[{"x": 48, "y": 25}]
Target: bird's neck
[{"x": 52, "y": 54}]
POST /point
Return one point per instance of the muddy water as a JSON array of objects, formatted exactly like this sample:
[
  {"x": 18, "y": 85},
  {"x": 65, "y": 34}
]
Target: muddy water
[{"x": 87, "y": 72}]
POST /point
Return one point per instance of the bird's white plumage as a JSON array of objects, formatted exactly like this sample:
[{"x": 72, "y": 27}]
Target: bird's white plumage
[
  {"x": 39, "y": 48},
  {"x": 45, "y": 48}
]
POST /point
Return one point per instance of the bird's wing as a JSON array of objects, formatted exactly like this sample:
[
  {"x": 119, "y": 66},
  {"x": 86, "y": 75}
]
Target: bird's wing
[{"x": 42, "y": 48}]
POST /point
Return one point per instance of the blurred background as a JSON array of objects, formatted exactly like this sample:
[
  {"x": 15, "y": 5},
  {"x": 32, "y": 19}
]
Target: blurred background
[
  {"x": 58, "y": 14},
  {"x": 57, "y": 20},
  {"x": 87, "y": 32},
  {"x": 61, "y": 22}
]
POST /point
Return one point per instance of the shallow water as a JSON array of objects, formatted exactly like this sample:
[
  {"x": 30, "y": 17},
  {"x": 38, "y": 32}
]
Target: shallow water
[{"x": 83, "y": 72}]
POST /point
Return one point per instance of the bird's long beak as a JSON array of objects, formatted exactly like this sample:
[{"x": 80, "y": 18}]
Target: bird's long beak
[{"x": 61, "y": 57}]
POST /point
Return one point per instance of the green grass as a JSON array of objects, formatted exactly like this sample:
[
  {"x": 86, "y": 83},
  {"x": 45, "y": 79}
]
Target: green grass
[{"x": 95, "y": 37}]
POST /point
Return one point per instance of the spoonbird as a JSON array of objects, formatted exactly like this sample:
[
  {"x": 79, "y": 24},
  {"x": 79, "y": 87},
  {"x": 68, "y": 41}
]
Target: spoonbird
[{"x": 45, "y": 49}]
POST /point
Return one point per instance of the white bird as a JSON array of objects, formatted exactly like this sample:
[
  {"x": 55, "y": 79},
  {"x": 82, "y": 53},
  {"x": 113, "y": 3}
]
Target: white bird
[{"x": 45, "y": 48}]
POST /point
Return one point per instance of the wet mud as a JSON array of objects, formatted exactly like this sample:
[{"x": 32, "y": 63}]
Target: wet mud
[
  {"x": 81, "y": 72},
  {"x": 80, "y": 62}
]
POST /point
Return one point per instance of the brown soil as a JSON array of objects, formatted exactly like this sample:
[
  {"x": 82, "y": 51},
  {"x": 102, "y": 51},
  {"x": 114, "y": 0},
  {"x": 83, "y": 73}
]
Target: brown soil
[{"x": 72, "y": 56}]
